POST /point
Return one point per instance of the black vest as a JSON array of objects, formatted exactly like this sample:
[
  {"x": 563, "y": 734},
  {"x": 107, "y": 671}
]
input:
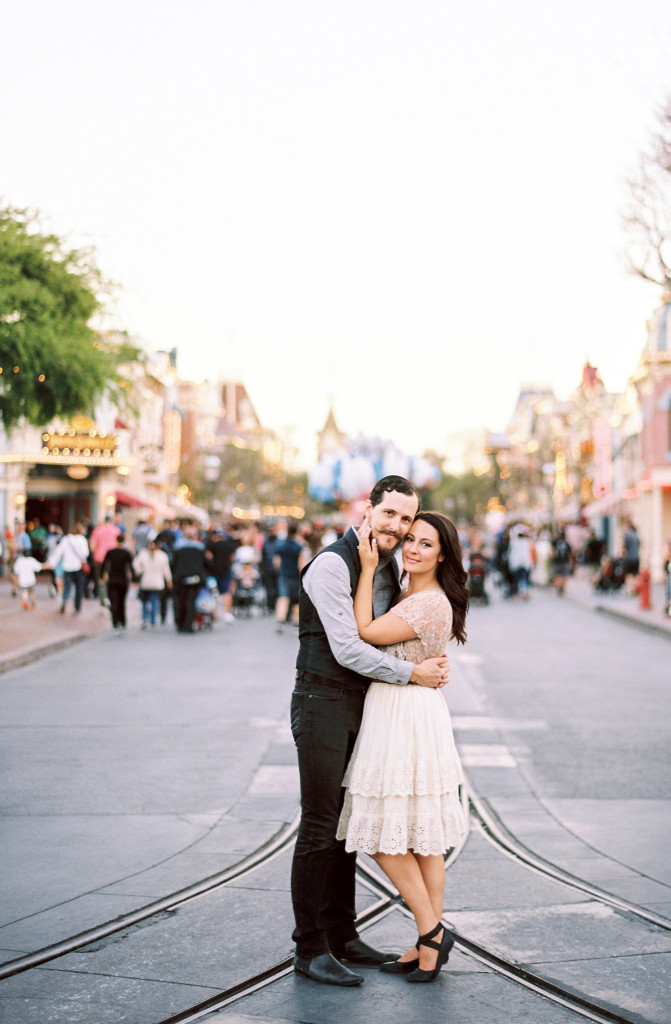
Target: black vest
[{"x": 315, "y": 654}]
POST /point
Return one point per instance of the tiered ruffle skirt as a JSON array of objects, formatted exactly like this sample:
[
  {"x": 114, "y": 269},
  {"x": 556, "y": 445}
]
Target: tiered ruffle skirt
[{"x": 402, "y": 782}]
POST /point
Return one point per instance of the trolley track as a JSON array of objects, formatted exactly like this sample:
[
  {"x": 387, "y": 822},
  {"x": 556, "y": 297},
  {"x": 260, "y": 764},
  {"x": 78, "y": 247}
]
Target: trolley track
[
  {"x": 576, "y": 1002},
  {"x": 534, "y": 981},
  {"x": 387, "y": 901},
  {"x": 261, "y": 856},
  {"x": 499, "y": 836}
]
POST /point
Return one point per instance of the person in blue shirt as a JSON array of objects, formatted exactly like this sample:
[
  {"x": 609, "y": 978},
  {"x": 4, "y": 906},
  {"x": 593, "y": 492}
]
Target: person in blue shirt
[{"x": 289, "y": 560}]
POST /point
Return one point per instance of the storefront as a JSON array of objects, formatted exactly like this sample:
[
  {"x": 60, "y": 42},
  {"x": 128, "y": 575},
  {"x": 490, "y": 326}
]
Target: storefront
[{"x": 69, "y": 476}]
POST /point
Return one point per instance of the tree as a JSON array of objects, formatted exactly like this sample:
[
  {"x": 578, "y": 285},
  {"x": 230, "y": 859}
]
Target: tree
[
  {"x": 52, "y": 361},
  {"x": 647, "y": 218}
]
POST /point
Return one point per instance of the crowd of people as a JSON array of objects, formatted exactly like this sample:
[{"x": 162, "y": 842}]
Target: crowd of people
[
  {"x": 177, "y": 567},
  {"x": 258, "y": 566},
  {"x": 519, "y": 557}
]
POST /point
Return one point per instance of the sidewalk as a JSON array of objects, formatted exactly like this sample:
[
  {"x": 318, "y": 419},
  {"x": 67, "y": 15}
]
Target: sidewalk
[{"x": 27, "y": 635}]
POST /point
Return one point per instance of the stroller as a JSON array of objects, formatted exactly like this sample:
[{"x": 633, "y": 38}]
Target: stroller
[
  {"x": 249, "y": 595},
  {"x": 477, "y": 574},
  {"x": 206, "y": 605},
  {"x": 610, "y": 577}
]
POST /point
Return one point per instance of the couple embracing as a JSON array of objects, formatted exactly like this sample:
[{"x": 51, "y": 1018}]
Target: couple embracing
[{"x": 378, "y": 768}]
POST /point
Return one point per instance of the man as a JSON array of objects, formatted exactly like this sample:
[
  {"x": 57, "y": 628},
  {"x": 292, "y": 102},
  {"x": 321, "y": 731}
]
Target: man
[
  {"x": 115, "y": 574},
  {"x": 103, "y": 539},
  {"x": 220, "y": 549},
  {"x": 333, "y": 671},
  {"x": 268, "y": 571},
  {"x": 188, "y": 575},
  {"x": 288, "y": 554}
]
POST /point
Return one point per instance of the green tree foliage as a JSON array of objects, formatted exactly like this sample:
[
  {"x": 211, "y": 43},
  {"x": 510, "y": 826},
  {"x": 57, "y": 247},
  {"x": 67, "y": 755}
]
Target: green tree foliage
[
  {"x": 463, "y": 497},
  {"x": 52, "y": 361}
]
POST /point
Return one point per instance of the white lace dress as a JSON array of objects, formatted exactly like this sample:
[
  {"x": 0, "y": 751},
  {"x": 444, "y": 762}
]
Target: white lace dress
[{"x": 402, "y": 782}]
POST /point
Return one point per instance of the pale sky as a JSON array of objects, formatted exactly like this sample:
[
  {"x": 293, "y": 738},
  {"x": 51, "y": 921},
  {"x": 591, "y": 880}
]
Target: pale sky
[{"x": 404, "y": 208}]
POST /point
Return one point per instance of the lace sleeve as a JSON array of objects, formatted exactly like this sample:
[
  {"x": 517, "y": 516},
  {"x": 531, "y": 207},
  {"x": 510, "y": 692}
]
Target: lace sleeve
[{"x": 430, "y": 615}]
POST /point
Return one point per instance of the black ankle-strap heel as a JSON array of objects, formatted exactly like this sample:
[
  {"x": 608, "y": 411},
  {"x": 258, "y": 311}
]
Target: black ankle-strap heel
[{"x": 443, "y": 947}]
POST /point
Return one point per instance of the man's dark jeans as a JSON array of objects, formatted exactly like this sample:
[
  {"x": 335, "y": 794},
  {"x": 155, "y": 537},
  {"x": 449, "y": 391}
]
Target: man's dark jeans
[
  {"x": 185, "y": 605},
  {"x": 117, "y": 597},
  {"x": 325, "y": 720}
]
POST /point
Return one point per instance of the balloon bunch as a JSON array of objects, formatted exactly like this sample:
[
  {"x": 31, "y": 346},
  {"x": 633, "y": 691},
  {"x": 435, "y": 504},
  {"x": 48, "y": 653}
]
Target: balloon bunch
[{"x": 349, "y": 475}]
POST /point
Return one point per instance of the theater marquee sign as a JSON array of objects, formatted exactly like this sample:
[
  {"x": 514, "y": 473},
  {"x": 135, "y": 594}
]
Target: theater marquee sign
[{"x": 73, "y": 442}]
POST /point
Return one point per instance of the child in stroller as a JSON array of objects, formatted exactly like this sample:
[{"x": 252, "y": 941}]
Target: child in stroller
[
  {"x": 477, "y": 574},
  {"x": 248, "y": 596},
  {"x": 206, "y": 605}
]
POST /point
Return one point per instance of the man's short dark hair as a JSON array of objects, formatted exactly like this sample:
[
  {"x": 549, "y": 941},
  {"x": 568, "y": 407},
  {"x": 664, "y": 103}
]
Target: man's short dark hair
[{"x": 392, "y": 483}]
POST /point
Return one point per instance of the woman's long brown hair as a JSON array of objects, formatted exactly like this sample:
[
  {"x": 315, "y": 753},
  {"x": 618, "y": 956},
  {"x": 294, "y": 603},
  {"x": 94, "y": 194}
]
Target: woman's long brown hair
[{"x": 450, "y": 573}]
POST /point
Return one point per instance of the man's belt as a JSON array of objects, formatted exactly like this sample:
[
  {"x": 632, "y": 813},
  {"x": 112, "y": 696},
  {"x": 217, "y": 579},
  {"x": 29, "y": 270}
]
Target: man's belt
[{"x": 310, "y": 678}]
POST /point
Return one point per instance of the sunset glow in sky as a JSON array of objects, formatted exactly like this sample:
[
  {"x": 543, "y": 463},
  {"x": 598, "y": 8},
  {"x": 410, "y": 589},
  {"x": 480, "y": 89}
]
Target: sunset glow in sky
[{"x": 405, "y": 209}]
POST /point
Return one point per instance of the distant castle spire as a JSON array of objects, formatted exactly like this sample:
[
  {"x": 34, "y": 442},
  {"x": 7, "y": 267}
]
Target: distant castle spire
[{"x": 330, "y": 439}]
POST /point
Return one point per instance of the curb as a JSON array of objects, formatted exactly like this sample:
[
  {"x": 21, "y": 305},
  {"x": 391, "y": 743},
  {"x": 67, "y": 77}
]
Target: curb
[
  {"x": 25, "y": 657},
  {"x": 658, "y": 628}
]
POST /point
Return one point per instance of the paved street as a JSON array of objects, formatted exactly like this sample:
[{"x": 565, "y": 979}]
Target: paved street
[{"x": 136, "y": 765}]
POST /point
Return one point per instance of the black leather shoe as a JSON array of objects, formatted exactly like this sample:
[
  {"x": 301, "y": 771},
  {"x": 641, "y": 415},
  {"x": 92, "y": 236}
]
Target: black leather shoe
[
  {"x": 357, "y": 952},
  {"x": 326, "y": 970}
]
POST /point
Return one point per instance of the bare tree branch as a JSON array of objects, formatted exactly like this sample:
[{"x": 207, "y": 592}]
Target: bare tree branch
[{"x": 647, "y": 216}]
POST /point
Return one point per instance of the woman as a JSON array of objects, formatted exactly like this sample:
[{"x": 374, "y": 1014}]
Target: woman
[
  {"x": 71, "y": 551},
  {"x": 402, "y": 784},
  {"x": 152, "y": 569}
]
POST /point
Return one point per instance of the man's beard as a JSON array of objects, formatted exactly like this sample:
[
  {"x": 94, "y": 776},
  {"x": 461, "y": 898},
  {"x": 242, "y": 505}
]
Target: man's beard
[{"x": 393, "y": 536}]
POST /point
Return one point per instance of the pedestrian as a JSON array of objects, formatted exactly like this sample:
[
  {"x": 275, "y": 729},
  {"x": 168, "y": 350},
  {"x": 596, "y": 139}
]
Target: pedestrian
[
  {"x": 116, "y": 577},
  {"x": 25, "y": 570},
  {"x": 289, "y": 556},
  {"x": 24, "y": 544},
  {"x": 54, "y": 534},
  {"x": 142, "y": 534},
  {"x": 667, "y": 570},
  {"x": 593, "y": 552},
  {"x": 152, "y": 568},
  {"x": 166, "y": 539},
  {"x": 333, "y": 669},
  {"x": 562, "y": 562},
  {"x": 541, "y": 571},
  {"x": 71, "y": 552},
  {"x": 220, "y": 550},
  {"x": 103, "y": 539},
  {"x": 38, "y": 535},
  {"x": 189, "y": 572},
  {"x": 520, "y": 561},
  {"x": 402, "y": 803},
  {"x": 501, "y": 562},
  {"x": 268, "y": 567},
  {"x": 632, "y": 556}
]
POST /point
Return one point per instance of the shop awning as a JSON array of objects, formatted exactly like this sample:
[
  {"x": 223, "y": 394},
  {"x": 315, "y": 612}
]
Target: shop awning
[
  {"x": 129, "y": 501},
  {"x": 605, "y": 506}
]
